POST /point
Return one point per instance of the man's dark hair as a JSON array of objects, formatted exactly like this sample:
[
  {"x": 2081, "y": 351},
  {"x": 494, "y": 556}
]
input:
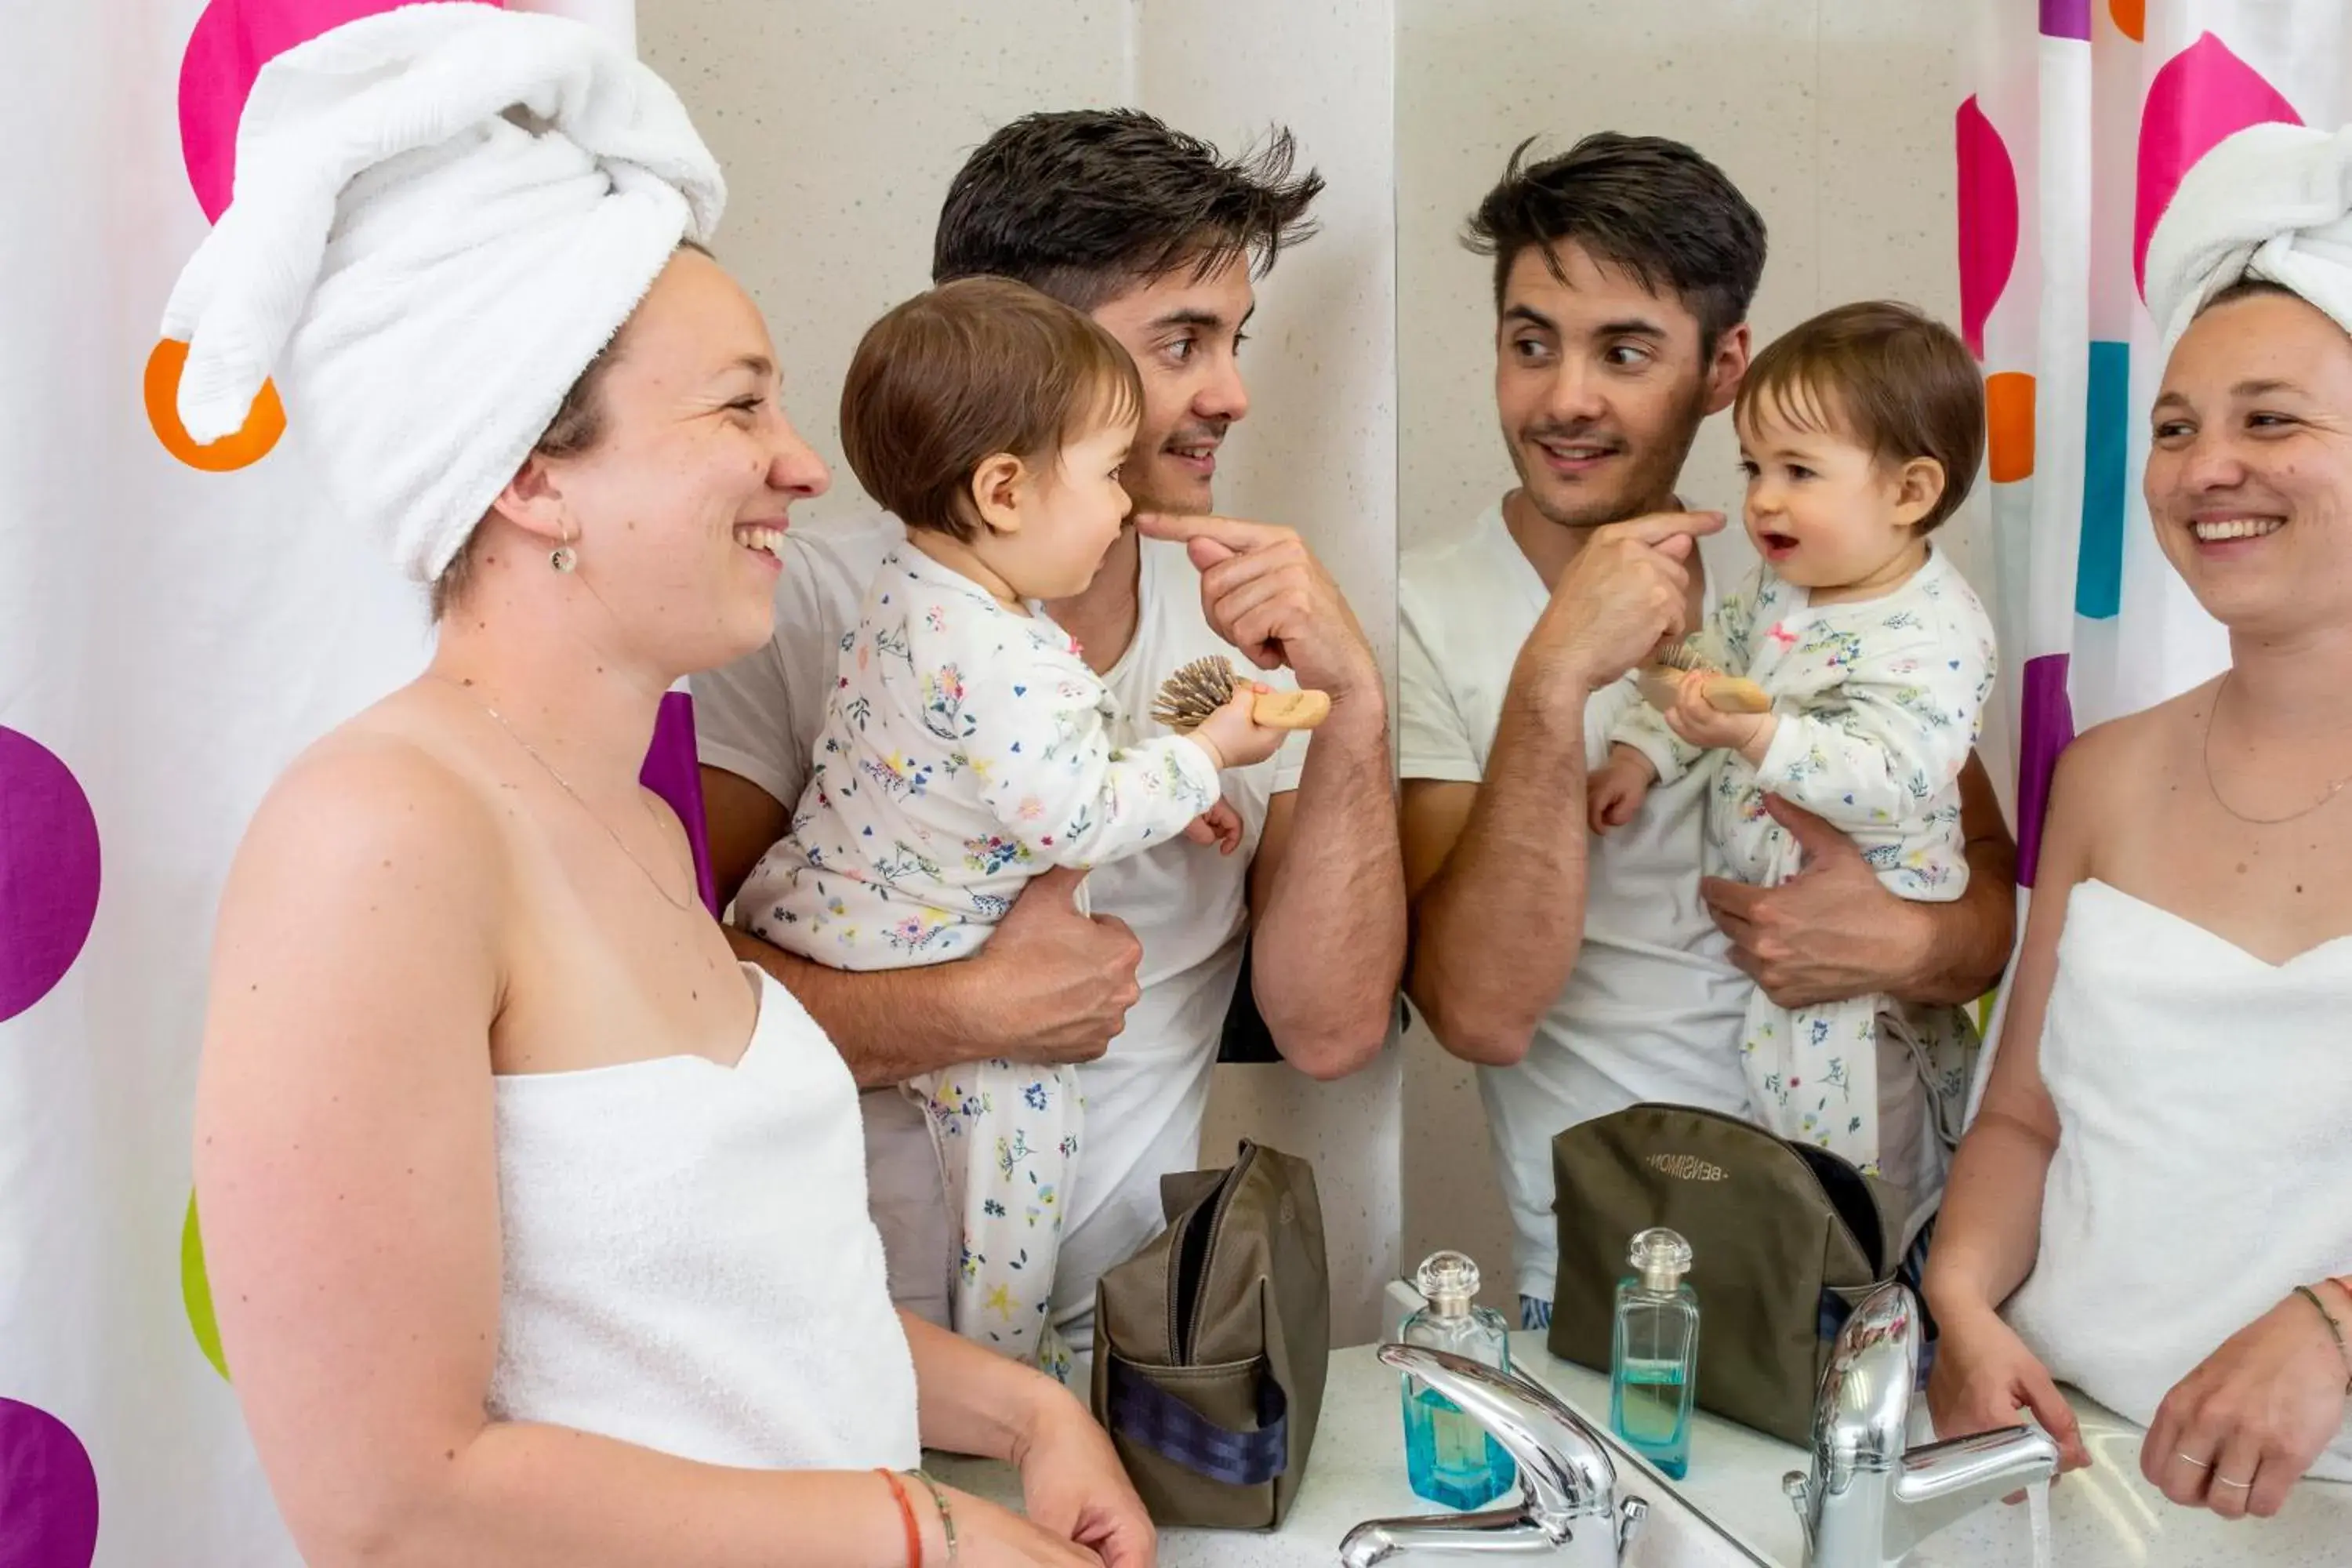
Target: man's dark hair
[
  {"x": 1086, "y": 204},
  {"x": 1648, "y": 206}
]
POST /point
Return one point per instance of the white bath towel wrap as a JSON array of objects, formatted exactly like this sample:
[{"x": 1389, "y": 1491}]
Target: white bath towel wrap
[
  {"x": 2272, "y": 202},
  {"x": 442, "y": 213}
]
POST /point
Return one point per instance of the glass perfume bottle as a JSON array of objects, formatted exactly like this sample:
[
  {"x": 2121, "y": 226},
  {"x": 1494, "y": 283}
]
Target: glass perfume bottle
[
  {"x": 1449, "y": 1458},
  {"x": 1653, "y": 1351}
]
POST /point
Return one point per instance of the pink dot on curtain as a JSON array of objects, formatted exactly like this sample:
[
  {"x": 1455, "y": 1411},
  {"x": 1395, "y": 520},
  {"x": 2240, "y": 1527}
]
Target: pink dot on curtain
[
  {"x": 1987, "y": 193},
  {"x": 48, "y": 871},
  {"x": 231, "y": 41},
  {"x": 2204, "y": 95},
  {"x": 50, "y": 1490}
]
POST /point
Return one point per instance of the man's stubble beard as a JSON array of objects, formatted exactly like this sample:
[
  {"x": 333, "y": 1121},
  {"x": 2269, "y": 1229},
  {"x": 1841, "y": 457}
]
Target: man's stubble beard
[{"x": 1648, "y": 492}]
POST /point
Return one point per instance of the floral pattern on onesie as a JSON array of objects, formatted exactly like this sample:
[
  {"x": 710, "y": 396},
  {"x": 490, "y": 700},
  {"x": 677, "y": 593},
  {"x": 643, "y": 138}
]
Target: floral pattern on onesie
[
  {"x": 1880, "y": 703},
  {"x": 967, "y": 748}
]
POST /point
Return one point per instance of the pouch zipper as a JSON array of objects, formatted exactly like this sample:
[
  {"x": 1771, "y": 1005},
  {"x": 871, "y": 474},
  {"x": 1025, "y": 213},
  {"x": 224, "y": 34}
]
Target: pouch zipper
[{"x": 1184, "y": 1317}]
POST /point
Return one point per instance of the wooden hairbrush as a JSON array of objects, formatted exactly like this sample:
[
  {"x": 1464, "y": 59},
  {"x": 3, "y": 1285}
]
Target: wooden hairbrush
[
  {"x": 1187, "y": 698},
  {"x": 1661, "y": 681}
]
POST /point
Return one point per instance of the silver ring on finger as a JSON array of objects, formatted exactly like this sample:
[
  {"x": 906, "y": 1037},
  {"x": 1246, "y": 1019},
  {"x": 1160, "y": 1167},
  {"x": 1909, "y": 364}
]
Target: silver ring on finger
[
  {"x": 2225, "y": 1482},
  {"x": 2201, "y": 1464}
]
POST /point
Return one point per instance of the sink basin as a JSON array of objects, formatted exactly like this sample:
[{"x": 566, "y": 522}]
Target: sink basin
[{"x": 1676, "y": 1535}]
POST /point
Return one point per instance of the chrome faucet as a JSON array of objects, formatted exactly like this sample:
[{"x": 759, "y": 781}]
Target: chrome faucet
[
  {"x": 1869, "y": 1500},
  {"x": 1567, "y": 1511}
]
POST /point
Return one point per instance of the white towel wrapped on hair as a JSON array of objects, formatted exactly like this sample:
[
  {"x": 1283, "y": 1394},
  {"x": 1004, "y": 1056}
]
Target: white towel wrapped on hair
[
  {"x": 442, "y": 213},
  {"x": 2272, "y": 202}
]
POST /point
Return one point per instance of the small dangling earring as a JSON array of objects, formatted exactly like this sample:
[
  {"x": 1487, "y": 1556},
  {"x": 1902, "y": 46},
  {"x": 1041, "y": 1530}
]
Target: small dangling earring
[{"x": 564, "y": 558}]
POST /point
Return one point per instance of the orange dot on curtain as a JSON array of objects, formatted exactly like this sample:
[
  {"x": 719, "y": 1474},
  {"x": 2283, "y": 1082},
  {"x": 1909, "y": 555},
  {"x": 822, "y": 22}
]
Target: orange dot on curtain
[
  {"x": 2009, "y": 425},
  {"x": 238, "y": 449},
  {"x": 2131, "y": 19}
]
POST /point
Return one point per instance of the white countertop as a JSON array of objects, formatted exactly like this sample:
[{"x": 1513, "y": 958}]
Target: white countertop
[{"x": 2105, "y": 1517}]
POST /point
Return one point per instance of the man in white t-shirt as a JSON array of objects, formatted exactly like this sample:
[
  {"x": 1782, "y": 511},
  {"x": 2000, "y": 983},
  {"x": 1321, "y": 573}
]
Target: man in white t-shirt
[
  {"x": 1584, "y": 975},
  {"x": 1158, "y": 237}
]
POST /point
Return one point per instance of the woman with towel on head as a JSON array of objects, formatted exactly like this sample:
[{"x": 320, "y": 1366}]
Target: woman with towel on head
[
  {"x": 536, "y": 1225},
  {"x": 2178, "y": 1059}
]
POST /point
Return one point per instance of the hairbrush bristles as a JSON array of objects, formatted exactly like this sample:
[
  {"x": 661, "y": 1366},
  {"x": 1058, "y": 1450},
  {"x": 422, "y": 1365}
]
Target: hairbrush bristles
[
  {"x": 1679, "y": 657},
  {"x": 1725, "y": 693},
  {"x": 1198, "y": 689},
  {"x": 1187, "y": 698}
]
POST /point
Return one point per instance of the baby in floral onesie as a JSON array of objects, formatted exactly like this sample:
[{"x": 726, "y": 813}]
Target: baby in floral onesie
[
  {"x": 967, "y": 746},
  {"x": 1859, "y": 433}
]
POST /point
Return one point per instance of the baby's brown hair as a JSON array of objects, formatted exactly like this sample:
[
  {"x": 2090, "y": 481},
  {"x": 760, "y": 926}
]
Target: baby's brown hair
[
  {"x": 969, "y": 369},
  {"x": 1897, "y": 381}
]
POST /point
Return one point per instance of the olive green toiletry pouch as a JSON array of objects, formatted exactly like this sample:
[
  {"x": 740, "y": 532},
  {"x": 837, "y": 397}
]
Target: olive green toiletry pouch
[
  {"x": 1785, "y": 1240},
  {"x": 1211, "y": 1344}
]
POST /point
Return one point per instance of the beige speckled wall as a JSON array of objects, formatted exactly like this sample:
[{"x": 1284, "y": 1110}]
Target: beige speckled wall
[
  {"x": 1319, "y": 452},
  {"x": 1834, "y": 116},
  {"x": 839, "y": 127}
]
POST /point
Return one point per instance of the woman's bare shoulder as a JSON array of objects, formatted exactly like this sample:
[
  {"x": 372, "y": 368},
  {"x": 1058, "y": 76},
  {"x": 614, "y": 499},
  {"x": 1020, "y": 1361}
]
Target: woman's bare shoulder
[
  {"x": 2105, "y": 775},
  {"x": 380, "y": 793}
]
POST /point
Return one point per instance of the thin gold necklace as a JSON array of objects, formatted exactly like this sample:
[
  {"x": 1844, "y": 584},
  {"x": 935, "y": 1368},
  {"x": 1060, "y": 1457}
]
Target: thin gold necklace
[
  {"x": 2207, "y": 750},
  {"x": 594, "y": 815}
]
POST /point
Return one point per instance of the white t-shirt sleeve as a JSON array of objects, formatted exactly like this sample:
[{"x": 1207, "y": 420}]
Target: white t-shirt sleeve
[
  {"x": 759, "y": 717},
  {"x": 1290, "y": 759},
  {"x": 1432, "y": 739}
]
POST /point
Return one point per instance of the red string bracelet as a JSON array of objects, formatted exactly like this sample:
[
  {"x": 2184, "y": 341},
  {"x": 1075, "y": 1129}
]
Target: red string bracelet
[{"x": 905, "y": 1517}]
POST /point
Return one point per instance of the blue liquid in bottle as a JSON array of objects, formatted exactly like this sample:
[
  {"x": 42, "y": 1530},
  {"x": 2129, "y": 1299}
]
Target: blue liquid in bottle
[
  {"x": 1448, "y": 1456},
  {"x": 1654, "y": 1353}
]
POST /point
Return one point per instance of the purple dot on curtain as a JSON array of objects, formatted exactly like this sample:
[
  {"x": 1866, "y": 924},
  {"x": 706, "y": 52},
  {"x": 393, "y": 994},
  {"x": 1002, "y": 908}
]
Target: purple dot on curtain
[
  {"x": 2066, "y": 20},
  {"x": 48, "y": 1492},
  {"x": 672, "y": 771},
  {"x": 48, "y": 871},
  {"x": 2047, "y": 729}
]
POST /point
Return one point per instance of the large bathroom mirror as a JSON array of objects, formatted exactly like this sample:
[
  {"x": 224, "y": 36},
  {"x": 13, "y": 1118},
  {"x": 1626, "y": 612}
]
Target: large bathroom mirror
[{"x": 1834, "y": 121}]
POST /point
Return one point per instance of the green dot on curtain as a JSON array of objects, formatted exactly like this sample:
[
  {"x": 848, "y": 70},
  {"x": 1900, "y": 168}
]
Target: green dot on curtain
[{"x": 198, "y": 1292}]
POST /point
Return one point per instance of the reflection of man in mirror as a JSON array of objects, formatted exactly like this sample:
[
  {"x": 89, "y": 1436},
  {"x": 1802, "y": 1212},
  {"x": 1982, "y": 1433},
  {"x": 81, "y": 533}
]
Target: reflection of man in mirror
[
  {"x": 1160, "y": 239},
  {"x": 1585, "y": 974}
]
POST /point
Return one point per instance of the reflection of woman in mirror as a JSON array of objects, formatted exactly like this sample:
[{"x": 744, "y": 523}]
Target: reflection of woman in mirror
[
  {"x": 536, "y": 1222},
  {"x": 2174, "y": 1067}
]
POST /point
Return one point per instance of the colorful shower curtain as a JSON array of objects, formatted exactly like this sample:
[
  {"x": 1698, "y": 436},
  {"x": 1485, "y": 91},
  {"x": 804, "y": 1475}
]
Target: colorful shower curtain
[
  {"x": 2085, "y": 115},
  {"x": 175, "y": 623}
]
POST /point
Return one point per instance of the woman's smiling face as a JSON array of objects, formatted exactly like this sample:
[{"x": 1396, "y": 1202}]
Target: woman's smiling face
[{"x": 2249, "y": 478}]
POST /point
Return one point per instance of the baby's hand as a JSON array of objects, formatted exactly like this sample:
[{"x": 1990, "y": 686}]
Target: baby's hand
[
  {"x": 1221, "y": 825},
  {"x": 1232, "y": 737},
  {"x": 1614, "y": 794},
  {"x": 1701, "y": 724}
]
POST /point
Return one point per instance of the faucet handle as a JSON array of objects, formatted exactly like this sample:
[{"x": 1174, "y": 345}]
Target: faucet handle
[{"x": 1564, "y": 1468}]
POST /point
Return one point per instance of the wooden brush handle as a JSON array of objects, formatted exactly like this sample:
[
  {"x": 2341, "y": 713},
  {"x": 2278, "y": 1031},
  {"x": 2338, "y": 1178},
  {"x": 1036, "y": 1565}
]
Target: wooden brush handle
[
  {"x": 1291, "y": 710},
  {"x": 1724, "y": 693}
]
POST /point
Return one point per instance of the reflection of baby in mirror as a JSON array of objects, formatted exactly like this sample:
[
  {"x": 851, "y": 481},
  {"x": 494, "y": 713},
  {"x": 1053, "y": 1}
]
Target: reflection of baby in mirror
[
  {"x": 967, "y": 746},
  {"x": 1859, "y": 433}
]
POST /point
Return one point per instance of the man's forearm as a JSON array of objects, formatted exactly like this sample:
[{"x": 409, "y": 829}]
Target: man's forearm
[
  {"x": 889, "y": 1025},
  {"x": 1328, "y": 939},
  {"x": 1968, "y": 941},
  {"x": 1496, "y": 932}
]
